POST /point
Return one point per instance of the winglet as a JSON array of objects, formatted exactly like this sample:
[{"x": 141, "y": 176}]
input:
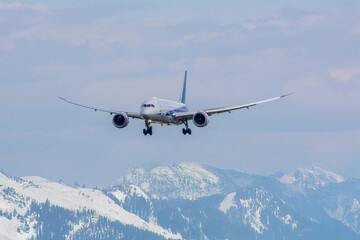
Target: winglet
[
  {"x": 62, "y": 98},
  {"x": 286, "y": 95}
]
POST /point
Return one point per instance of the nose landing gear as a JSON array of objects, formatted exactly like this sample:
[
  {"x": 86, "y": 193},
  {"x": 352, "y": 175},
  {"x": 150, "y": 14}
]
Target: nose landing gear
[{"x": 148, "y": 129}]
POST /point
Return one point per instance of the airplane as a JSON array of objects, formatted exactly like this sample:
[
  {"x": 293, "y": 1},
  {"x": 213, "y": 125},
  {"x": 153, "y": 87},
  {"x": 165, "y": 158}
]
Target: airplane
[{"x": 166, "y": 112}]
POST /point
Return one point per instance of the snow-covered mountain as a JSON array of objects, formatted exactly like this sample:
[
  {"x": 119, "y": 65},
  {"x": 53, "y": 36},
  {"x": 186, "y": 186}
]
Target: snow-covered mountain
[
  {"x": 184, "y": 180},
  {"x": 184, "y": 201},
  {"x": 18, "y": 195},
  {"x": 312, "y": 178}
]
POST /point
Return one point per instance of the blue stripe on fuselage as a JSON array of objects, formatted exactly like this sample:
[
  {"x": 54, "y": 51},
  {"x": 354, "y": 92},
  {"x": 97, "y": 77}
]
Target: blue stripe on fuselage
[{"x": 182, "y": 109}]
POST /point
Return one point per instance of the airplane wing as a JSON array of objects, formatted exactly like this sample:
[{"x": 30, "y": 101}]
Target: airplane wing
[
  {"x": 189, "y": 115},
  {"x": 130, "y": 114}
]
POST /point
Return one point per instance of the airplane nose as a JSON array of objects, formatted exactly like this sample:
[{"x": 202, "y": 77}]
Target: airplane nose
[{"x": 144, "y": 112}]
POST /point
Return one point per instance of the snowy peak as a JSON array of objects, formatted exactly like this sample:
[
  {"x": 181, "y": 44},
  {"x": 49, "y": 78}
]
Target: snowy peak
[
  {"x": 191, "y": 170},
  {"x": 312, "y": 178},
  {"x": 184, "y": 180}
]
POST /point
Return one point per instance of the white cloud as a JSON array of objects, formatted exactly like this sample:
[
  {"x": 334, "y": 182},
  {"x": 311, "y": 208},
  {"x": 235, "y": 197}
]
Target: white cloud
[
  {"x": 303, "y": 84},
  {"x": 182, "y": 41},
  {"x": 201, "y": 37},
  {"x": 282, "y": 23},
  {"x": 96, "y": 36},
  {"x": 355, "y": 30},
  {"x": 161, "y": 22},
  {"x": 6, "y": 44},
  {"x": 34, "y": 32},
  {"x": 206, "y": 36},
  {"x": 249, "y": 25},
  {"x": 18, "y": 5},
  {"x": 303, "y": 22},
  {"x": 318, "y": 92},
  {"x": 309, "y": 20},
  {"x": 344, "y": 74}
]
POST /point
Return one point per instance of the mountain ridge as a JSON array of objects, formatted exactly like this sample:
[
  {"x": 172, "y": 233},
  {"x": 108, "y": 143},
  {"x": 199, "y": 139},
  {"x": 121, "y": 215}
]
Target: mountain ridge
[{"x": 184, "y": 201}]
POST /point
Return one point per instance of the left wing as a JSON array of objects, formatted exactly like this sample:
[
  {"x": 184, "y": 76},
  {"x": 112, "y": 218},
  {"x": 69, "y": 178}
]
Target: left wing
[
  {"x": 130, "y": 114},
  {"x": 189, "y": 115}
]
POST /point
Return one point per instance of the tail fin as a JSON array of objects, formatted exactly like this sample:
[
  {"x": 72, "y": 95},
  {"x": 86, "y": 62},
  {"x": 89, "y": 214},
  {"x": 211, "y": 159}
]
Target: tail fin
[{"x": 183, "y": 92}]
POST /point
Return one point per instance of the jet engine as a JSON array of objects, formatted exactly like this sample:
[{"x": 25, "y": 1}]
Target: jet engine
[
  {"x": 120, "y": 120},
  {"x": 201, "y": 119}
]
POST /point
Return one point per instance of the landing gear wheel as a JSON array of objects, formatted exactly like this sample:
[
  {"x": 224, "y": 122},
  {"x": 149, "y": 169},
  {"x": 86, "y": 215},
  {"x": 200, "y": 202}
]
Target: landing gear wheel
[
  {"x": 150, "y": 131},
  {"x": 186, "y": 129}
]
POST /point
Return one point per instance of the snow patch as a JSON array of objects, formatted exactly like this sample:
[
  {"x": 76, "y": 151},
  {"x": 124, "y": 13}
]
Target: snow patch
[
  {"x": 135, "y": 190},
  {"x": 145, "y": 186},
  {"x": 35, "y": 179},
  {"x": 119, "y": 196},
  {"x": 228, "y": 202},
  {"x": 288, "y": 179},
  {"x": 75, "y": 228},
  {"x": 347, "y": 211},
  {"x": 9, "y": 229},
  {"x": 253, "y": 215},
  {"x": 286, "y": 219},
  {"x": 355, "y": 206}
]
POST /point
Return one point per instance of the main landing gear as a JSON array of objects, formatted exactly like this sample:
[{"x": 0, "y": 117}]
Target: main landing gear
[
  {"x": 187, "y": 129},
  {"x": 148, "y": 129}
]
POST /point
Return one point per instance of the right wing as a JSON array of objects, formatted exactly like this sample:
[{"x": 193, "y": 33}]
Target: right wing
[
  {"x": 189, "y": 115},
  {"x": 129, "y": 114}
]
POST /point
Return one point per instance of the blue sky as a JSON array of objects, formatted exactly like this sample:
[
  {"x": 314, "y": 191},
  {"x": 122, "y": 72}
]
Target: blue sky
[{"x": 115, "y": 54}]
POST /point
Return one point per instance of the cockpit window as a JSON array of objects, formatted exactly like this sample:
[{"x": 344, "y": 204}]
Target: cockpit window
[{"x": 148, "y": 105}]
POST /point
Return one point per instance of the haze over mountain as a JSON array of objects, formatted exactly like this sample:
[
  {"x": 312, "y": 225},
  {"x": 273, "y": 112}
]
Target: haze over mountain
[{"x": 184, "y": 201}]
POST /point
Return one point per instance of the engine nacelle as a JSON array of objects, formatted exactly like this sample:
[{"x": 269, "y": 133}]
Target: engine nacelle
[
  {"x": 120, "y": 120},
  {"x": 201, "y": 119}
]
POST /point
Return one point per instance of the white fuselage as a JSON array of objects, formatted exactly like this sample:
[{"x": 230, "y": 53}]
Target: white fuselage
[{"x": 160, "y": 111}]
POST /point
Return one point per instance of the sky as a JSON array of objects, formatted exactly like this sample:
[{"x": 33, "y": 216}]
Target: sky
[{"x": 115, "y": 54}]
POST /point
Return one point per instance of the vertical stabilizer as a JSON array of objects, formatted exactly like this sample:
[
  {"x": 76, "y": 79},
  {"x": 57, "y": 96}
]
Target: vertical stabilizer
[{"x": 183, "y": 92}]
